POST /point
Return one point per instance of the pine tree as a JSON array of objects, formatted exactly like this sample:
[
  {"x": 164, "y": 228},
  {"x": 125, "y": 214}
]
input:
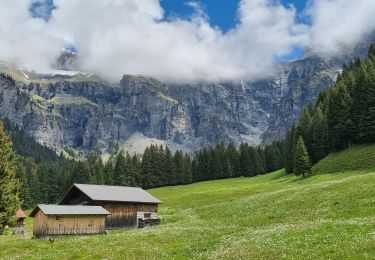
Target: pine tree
[
  {"x": 366, "y": 116},
  {"x": 273, "y": 157},
  {"x": 53, "y": 183},
  {"x": 234, "y": 159},
  {"x": 108, "y": 172},
  {"x": 319, "y": 136},
  {"x": 179, "y": 164},
  {"x": 158, "y": 159},
  {"x": 260, "y": 160},
  {"x": 302, "y": 161},
  {"x": 137, "y": 170},
  {"x": 289, "y": 153},
  {"x": 9, "y": 184},
  {"x": 170, "y": 177},
  {"x": 216, "y": 164},
  {"x": 340, "y": 124},
  {"x": 205, "y": 167},
  {"x": 245, "y": 160},
  {"x": 130, "y": 171},
  {"x": 99, "y": 172},
  {"x": 254, "y": 162},
  {"x": 188, "y": 178},
  {"x": 80, "y": 173},
  {"x": 147, "y": 169},
  {"x": 304, "y": 126},
  {"x": 29, "y": 191},
  {"x": 120, "y": 177}
]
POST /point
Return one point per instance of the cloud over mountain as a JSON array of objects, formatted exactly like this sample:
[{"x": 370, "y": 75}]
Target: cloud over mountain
[{"x": 114, "y": 37}]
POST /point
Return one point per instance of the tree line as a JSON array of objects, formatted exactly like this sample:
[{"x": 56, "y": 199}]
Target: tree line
[{"x": 46, "y": 182}]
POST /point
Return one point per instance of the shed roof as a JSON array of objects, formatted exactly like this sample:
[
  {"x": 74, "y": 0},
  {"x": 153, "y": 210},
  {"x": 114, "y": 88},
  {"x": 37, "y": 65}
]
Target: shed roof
[
  {"x": 20, "y": 214},
  {"x": 115, "y": 193},
  {"x": 69, "y": 210}
]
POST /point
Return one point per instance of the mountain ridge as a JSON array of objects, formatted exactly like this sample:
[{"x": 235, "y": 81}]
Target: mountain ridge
[{"x": 80, "y": 112}]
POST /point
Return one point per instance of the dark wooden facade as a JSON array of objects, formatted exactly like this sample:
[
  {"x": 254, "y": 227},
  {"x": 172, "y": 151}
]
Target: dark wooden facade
[{"x": 123, "y": 214}]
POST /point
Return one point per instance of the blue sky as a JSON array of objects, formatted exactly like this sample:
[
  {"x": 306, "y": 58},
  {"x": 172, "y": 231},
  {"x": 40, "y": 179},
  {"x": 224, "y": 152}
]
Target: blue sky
[
  {"x": 42, "y": 9},
  {"x": 221, "y": 13}
]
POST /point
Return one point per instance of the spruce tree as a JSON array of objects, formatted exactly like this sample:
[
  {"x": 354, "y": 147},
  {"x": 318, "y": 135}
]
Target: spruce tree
[
  {"x": 245, "y": 160},
  {"x": 137, "y": 170},
  {"x": 188, "y": 178},
  {"x": 147, "y": 169},
  {"x": 319, "y": 136},
  {"x": 25, "y": 187},
  {"x": 302, "y": 161},
  {"x": 120, "y": 177},
  {"x": 216, "y": 164},
  {"x": 304, "y": 127},
  {"x": 340, "y": 124},
  {"x": 234, "y": 159},
  {"x": 9, "y": 184},
  {"x": 195, "y": 168},
  {"x": 80, "y": 172},
  {"x": 108, "y": 172},
  {"x": 289, "y": 151},
  {"x": 170, "y": 177},
  {"x": 179, "y": 164}
]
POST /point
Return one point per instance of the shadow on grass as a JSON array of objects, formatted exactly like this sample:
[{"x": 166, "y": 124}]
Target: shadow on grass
[
  {"x": 282, "y": 177},
  {"x": 281, "y": 180}
]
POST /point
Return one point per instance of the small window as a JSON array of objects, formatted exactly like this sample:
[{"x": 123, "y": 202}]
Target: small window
[{"x": 147, "y": 215}]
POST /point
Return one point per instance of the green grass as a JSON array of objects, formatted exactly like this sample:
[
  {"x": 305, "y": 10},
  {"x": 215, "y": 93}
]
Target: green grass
[
  {"x": 352, "y": 159},
  {"x": 65, "y": 99},
  {"x": 274, "y": 216}
]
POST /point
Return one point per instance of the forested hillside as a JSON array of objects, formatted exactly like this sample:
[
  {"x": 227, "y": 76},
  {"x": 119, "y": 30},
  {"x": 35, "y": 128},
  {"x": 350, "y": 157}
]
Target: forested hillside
[
  {"x": 39, "y": 169},
  {"x": 343, "y": 115}
]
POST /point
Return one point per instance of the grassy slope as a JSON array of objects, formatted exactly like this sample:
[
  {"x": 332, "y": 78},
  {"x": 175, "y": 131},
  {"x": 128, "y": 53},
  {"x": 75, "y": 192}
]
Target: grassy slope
[
  {"x": 272, "y": 216},
  {"x": 352, "y": 159}
]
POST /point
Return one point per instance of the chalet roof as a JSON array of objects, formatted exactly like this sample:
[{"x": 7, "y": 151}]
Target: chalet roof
[
  {"x": 20, "y": 214},
  {"x": 116, "y": 193},
  {"x": 69, "y": 210}
]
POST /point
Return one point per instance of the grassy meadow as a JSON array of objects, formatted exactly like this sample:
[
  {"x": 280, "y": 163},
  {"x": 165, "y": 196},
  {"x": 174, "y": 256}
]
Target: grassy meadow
[{"x": 274, "y": 216}]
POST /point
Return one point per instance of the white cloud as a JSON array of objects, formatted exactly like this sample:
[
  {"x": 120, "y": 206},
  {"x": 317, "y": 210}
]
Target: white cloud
[
  {"x": 23, "y": 40},
  {"x": 116, "y": 37},
  {"x": 130, "y": 36},
  {"x": 338, "y": 24}
]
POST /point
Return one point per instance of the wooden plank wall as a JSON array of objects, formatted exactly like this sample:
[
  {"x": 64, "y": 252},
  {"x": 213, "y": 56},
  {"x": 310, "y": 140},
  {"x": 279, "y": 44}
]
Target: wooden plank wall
[
  {"x": 68, "y": 224},
  {"x": 124, "y": 215},
  {"x": 40, "y": 224},
  {"x": 74, "y": 225}
]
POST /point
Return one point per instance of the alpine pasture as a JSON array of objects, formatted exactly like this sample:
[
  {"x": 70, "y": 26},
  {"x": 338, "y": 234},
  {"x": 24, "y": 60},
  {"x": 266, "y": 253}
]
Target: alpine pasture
[{"x": 273, "y": 216}]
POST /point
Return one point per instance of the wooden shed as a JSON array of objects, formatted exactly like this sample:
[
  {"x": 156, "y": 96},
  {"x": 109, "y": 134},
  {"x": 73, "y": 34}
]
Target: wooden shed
[
  {"x": 122, "y": 202},
  {"x": 50, "y": 220},
  {"x": 20, "y": 217}
]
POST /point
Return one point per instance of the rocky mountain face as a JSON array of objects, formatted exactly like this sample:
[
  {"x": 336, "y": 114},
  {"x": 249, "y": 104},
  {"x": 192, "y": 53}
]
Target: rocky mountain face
[{"x": 79, "y": 113}]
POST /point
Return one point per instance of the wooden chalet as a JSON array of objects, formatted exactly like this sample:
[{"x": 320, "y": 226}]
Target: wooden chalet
[
  {"x": 51, "y": 220},
  {"x": 122, "y": 202}
]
